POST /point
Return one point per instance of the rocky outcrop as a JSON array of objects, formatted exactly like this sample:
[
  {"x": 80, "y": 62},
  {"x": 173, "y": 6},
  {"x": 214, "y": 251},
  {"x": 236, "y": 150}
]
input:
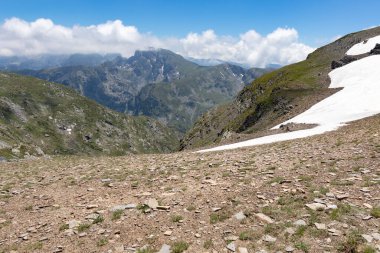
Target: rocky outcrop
[{"x": 376, "y": 50}]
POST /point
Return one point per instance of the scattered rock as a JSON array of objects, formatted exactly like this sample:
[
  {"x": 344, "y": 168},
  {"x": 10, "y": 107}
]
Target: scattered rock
[
  {"x": 240, "y": 216},
  {"x": 368, "y": 238},
  {"x": 264, "y": 218},
  {"x": 242, "y": 250},
  {"x": 289, "y": 249},
  {"x": 320, "y": 226},
  {"x": 165, "y": 249},
  {"x": 231, "y": 246},
  {"x": 342, "y": 196},
  {"x": 268, "y": 238},
  {"x": 168, "y": 233},
  {"x": 316, "y": 206},
  {"x": 152, "y": 203},
  {"x": 299, "y": 223}
]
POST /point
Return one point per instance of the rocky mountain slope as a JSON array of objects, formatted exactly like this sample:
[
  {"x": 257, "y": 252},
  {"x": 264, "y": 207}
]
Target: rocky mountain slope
[
  {"x": 319, "y": 194},
  {"x": 38, "y": 117},
  {"x": 156, "y": 83},
  {"x": 277, "y": 96}
]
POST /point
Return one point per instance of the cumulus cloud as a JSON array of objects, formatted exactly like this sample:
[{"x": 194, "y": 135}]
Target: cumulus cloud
[{"x": 42, "y": 36}]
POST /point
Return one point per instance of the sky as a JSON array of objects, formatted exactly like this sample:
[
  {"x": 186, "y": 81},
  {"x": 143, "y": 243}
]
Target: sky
[{"x": 245, "y": 31}]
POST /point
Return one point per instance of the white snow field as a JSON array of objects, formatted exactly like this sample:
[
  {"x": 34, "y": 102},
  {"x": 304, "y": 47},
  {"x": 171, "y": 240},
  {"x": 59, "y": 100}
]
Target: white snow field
[
  {"x": 359, "y": 98},
  {"x": 364, "y": 46}
]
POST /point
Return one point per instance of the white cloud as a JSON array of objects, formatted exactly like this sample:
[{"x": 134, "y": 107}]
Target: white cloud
[{"x": 42, "y": 36}]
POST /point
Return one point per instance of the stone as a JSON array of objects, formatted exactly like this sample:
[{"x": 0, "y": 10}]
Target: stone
[
  {"x": 316, "y": 206},
  {"x": 164, "y": 249},
  {"x": 299, "y": 223},
  {"x": 168, "y": 233},
  {"x": 268, "y": 238},
  {"x": 231, "y": 238},
  {"x": 123, "y": 207},
  {"x": 73, "y": 224},
  {"x": 368, "y": 238},
  {"x": 215, "y": 209},
  {"x": 82, "y": 234},
  {"x": 163, "y": 207},
  {"x": 242, "y": 250},
  {"x": 264, "y": 218},
  {"x": 320, "y": 226},
  {"x": 376, "y": 236},
  {"x": 231, "y": 246},
  {"x": 240, "y": 216},
  {"x": 92, "y": 206},
  {"x": 289, "y": 249},
  {"x": 92, "y": 216},
  {"x": 152, "y": 203},
  {"x": 342, "y": 196},
  {"x": 197, "y": 235},
  {"x": 290, "y": 231},
  {"x": 2, "y": 221},
  {"x": 331, "y": 207}
]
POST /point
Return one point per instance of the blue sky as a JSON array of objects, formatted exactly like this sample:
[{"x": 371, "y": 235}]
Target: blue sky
[
  {"x": 251, "y": 32},
  {"x": 316, "y": 21}
]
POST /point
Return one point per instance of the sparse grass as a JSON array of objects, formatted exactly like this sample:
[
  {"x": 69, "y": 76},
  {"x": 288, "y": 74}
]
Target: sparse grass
[
  {"x": 300, "y": 231},
  {"x": 219, "y": 217},
  {"x": 142, "y": 207},
  {"x": 369, "y": 249},
  {"x": 146, "y": 250},
  {"x": 208, "y": 244},
  {"x": 246, "y": 235},
  {"x": 63, "y": 227},
  {"x": 98, "y": 219},
  {"x": 343, "y": 209},
  {"x": 179, "y": 247},
  {"x": 29, "y": 208},
  {"x": 83, "y": 227},
  {"x": 375, "y": 212},
  {"x": 116, "y": 215},
  {"x": 352, "y": 242},
  {"x": 191, "y": 208},
  {"x": 102, "y": 242},
  {"x": 302, "y": 246},
  {"x": 176, "y": 218},
  {"x": 35, "y": 246}
]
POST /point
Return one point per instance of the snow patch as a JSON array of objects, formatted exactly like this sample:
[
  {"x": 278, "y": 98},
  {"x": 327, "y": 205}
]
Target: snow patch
[
  {"x": 364, "y": 46},
  {"x": 358, "y": 99}
]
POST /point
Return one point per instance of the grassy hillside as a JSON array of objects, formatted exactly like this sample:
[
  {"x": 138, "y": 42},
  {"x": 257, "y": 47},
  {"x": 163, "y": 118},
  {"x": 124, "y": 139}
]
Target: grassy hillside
[
  {"x": 275, "y": 96},
  {"x": 39, "y": 117}
]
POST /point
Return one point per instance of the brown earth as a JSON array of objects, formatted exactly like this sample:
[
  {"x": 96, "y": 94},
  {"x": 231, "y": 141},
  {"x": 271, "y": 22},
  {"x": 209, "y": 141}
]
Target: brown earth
[{"x": 38, "y": 198}]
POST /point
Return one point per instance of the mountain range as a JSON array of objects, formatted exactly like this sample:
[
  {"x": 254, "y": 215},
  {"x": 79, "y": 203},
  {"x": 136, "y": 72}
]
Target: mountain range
[{"x": 155, "y": 83}]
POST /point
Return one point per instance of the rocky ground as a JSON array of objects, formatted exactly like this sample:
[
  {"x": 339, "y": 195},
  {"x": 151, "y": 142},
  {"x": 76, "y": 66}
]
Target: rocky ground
[{"x": 320, "y": 194}]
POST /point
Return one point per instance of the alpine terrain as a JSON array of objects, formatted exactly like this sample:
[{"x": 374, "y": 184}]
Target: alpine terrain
[{"x": 155, "y": 83}]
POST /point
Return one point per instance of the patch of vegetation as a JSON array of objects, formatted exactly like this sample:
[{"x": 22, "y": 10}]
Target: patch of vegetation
[
  {"x": 116, "y": 215},
  {"x": 369, "y": 249},
  {"x": 35, "y": 246},
  {"x": 176, "y": 218},
  {"x": 102, "y": 242},
  {"x": 338, "y": 213},
  {"x": 63, "y": 227},
  {"x": 146, "y": 250},
  {"x": 208, "y": 244},
  {"x": 179, "y": 247},
  {"x": 375, "y": 212},
  {"x": 98, "y": 219},
  {"x": 191, "y": 208},
  {"x": 83, "y": 227},
  {"x": 302, "y": 246},
  {"x": 353, "y": 241},
  {"x": 246, "y": 235},
  {"x": 219, "y": 217},
  {"x": 142, "y": 207}
]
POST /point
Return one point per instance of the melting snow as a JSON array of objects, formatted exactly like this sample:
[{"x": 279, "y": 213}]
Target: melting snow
[
  {"x": 359, "y": 98},
  {"x": 364, "y": 46}
]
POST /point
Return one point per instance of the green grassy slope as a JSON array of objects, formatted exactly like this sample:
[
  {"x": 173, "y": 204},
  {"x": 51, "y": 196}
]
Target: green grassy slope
[{"x": 36, "y": 115}]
